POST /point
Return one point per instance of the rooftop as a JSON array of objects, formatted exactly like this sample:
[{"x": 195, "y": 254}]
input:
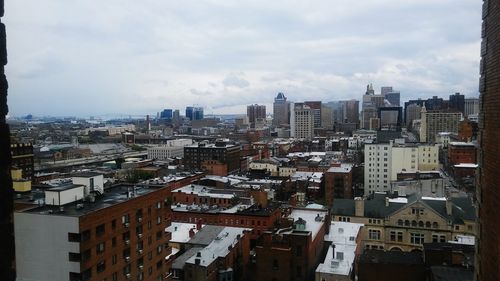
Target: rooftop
[
  {"x": 343, "y": 168},
  {"x": 180, "y": 231},
  {"x": 310, "y": 216},
  {"x": 112, "y": 196},
  {"x": 205, "y": 191},
  {"x": 391, "y": 257},
  {"x": 219, "y": 246}
]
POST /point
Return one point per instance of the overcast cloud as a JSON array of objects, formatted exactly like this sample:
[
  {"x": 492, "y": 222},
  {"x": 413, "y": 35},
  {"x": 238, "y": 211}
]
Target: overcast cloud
[{"x": 90, "y": 57}]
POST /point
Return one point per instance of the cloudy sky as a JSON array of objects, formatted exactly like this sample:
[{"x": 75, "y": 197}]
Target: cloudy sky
[{"x": 92, "y": 57}]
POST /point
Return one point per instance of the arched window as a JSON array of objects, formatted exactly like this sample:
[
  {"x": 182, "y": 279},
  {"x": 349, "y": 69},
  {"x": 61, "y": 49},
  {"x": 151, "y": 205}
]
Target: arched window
[
  {"x": 420, "y": 224},
  {"x": 407, "y": 222},
  {"x": 435, "y": 225},
  {"x": 414, "y": 223},
  {"x": 428, "y": 224},
  {"x": 400, "y": 222},
  {"x": 275, "y": 264}
]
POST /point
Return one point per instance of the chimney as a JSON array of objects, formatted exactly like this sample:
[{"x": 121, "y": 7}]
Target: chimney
[
  {"x": 191, "y": 233},
  {"x": 449, "y": 207},
  {"x": 359, "y": 207},
  {"x": 198, "y": 224},
  {"x": 387, "y": 201}
]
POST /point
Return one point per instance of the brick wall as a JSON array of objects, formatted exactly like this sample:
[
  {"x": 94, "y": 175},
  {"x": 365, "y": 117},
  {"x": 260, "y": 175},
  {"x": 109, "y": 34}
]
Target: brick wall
[{"x": 488, "y": 193}]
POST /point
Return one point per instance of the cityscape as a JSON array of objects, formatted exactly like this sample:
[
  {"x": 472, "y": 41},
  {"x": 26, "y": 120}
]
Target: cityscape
[{"x": 383, "y": 183}]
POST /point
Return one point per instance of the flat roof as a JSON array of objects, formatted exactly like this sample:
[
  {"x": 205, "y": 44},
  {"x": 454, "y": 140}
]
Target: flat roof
[
  {"x": 344, "y": 168},
  {"x": 112, "y": 196},
  {"x": 220, "y": 246},
  {"x": 201, "y": 190},
  {"x": 64, "y": 187},
  {"x": 180, "y": 231},
  {"x": 309, "y": 215}
]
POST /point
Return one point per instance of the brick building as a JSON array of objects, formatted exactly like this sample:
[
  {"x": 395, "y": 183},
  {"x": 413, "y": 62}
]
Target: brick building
[
  {"x": 461, "y": 152},
  {"x": 22, "y": 158},
  {"x": 117, "y": 236},
  {"x": 294, "y": 251},
  {"x": 258, "y": 218},
  {"x": 338, "y": 183},
  {"x": 221, "y": 151}
]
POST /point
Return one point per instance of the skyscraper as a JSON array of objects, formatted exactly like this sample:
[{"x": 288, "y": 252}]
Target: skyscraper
[
  {"x": 488, "y": 191},
  {"x": 393, "y": 97},
  {"x": 301, "y": 121},
  {"x": 351, "y": 111},
  {"x": 316, "y": 110},
  {"x": 255, "y": 112},
  {"x": 194, "y": 113},
  {"x": 457, "y": 102},
  {"x": 166, "y": 114},
  {"x": 281, "y": 110}
]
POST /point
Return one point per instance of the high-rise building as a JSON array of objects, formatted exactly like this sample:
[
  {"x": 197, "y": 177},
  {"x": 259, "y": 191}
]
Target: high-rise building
[
  {"x": 166, "y": 114},
  {"x": 327, "y": 117},
  {"x": 256, "y": 113},
  {"x": 488, "y": 191},
  {"x": 316, "y": 111},
  {"x": 281, "y": 110},
  {"x": 385, "y": 90},
  {"x": 176, "y": 115},
  {"x": 412, "y": 112},
  {"x": 471, "y": 107},
  {"x": 194, "y": 113},
  {"x": 351, "y": 111},
  {"x": 394, "y": 98},
  {"x": 435, "y": 103},
  {"x": 434, "y": 122},
  {"x": 390, "y": 118},
  {"x": 371, "y": 104},
  {"x": 301, "y": 121},
  {"x": 457, "y": 102},
  {"x": 220, "y": 151},
  {"x": 383, "y": 161}
]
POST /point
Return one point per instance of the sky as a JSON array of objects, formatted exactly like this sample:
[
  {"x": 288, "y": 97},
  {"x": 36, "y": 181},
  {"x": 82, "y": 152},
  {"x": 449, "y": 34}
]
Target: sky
[{"x": 94, "y": 57}]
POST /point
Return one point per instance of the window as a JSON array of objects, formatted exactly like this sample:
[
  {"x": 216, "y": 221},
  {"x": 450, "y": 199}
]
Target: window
[
  {"x": 158, "y": 205},
  {"x": 400, "y": 236},
  {"x": 100, "y": 247},
  {"x": 374, "y": 234},
  {"x": 417, "y": 238},
  {"x": 74, "y": 237},
  {"x": 86, "y": 255},
  {"x": 393, "y": 235},
  {"x": 400, "y": 222},
  {"x": 113, "y": 224},
  {"x": 85, "y": 235},
  {"x": 159, "y": 235},
  {"x": 158, "y": 220},
  {"x": 125, "y": 219},
  {"x": 114, "y": 277},
  {"x": 113, "y": 241},
  {"x": 75, "y": 257},
  {"x": 101, "y": 266},
  {"x": 113, "y": 259},
  {"x": 158, "y": 249},
  {"x": 99, "y": 230},
  {"x": 435, "y": 225},
  {"x": 275, "y": 264}
]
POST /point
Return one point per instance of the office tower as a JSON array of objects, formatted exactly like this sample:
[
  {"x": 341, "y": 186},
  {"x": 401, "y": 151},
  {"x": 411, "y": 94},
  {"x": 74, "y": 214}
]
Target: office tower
[
  {"x": 371, "y": 104},
  {"x": 457, "y": 102},
  {"x": 390, "y": 118},
  {"x": 316, "y": 110},
  {"x": 166, "y": 114},
  {"x": 281, "y": 110},
  {"x": 327, "y": 117},
  {"x": 435, "y": 103},
  {"x": 407, "y": 104},
  {"x": 434, "y": 122},
  {"x": 176, "y": 115},
  {"x": 256, "y": 113},
  {"x": 471, "y": 107},
  {"x": 394, "y": 98},
  {"x": 385, "y": 90},
  {"x": 351, "y": 111},
  {"x": 412, "y": 112},
  {"x": 194, "y": 113},
  {"x": 301, "y": 121},
  {"x": 488, "y": 191}
]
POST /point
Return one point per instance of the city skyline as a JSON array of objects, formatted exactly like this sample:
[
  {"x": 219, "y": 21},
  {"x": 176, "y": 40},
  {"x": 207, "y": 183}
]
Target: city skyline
[{"x": 126, "y": 59}]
